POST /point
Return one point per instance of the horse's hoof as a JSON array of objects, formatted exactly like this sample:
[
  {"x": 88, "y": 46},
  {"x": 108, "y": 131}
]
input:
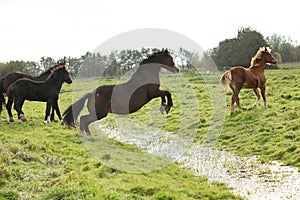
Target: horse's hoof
[
  {"x": 45, "y": 122},
  {"x": 48, "y": 119},
  {"x": 167, "y": 109},
  {"x": 162, "y": 109},
  {"x": 22, "y": 118},
  {"x": 62, "y": 122},
  {"x": 88, "y": 133},
  {"x": 81, "y": 132},
  {"x": 11, "y": 119}
]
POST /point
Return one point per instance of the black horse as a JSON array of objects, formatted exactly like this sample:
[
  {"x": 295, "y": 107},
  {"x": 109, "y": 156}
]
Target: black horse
[
  {"x": 125, "y": 98},
  {"x": 45, "y": 91},
  {"x": 9, "y": 78}
]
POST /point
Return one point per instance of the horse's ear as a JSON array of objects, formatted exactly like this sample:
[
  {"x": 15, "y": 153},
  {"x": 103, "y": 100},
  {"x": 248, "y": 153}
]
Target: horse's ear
[
  {"x": 167, "y": 51},
  {"x": 266, "y": 48}
]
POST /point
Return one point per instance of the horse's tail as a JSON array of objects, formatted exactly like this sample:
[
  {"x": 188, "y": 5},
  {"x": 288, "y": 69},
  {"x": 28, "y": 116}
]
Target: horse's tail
[
  {"x": 2, "y": 99},
  {"x": 72, "y": 112},
  {"x": 226, "y": 78}
]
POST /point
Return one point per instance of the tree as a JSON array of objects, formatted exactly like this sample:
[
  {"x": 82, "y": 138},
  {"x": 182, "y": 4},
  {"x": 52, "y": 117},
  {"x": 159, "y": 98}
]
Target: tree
[
  {"x": 238, "y": 50},
  {"x": 47, "y": 63},
  {"x": 14, "y": 66},
  {"x": 288, "y": 50},
  {"x": 33, "y": 68}
]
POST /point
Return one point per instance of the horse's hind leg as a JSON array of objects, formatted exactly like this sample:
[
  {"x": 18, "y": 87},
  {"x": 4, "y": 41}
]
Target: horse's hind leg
[
  {"x": 235, "y": 98},
  {"x": 85, "y": 121},
  {"x": 8, "y": 108},
  {"x": 257, "y": 97},
  {"x": 18, "y": 107}
]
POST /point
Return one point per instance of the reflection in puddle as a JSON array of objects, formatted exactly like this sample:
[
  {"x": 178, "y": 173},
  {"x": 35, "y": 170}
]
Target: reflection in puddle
[{"x": 247, "y": 175}]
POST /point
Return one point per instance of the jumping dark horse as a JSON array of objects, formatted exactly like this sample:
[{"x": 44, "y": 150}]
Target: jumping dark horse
[
  {"x": 45, "y": 91},
  {"x": 252, "y": 77},
  {"x": 9, "y": 78},
  {"x": 127, "y": 97}
]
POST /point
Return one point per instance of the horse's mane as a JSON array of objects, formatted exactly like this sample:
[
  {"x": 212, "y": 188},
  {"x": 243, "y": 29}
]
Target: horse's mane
[
  {"x": 258, "y": 54},
  {"x": 48, "y": 71},
  {"x": 51, "y": 70},
  {"x": 153, "y": 56}
]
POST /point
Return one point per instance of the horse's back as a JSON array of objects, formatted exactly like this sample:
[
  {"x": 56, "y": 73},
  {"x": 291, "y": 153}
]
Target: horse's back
[
  {"x": 32, "y": 90},
  {"x": 12, "y": 77},
  {"x": 248, "y": 77},
  {"x": 237, "y": 73}
]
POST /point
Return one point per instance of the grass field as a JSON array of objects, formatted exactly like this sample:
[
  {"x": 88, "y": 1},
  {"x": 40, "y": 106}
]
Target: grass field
[{"x": 51, "y": 162}]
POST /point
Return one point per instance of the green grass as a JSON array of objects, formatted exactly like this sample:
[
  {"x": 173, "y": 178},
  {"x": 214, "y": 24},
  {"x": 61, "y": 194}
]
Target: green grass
[
  {"x": 52, "y": 162},
  {"x": 272, "y": 133}
]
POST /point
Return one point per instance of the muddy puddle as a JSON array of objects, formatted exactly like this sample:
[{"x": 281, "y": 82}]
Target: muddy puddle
[{"x": 249, "y": 177}]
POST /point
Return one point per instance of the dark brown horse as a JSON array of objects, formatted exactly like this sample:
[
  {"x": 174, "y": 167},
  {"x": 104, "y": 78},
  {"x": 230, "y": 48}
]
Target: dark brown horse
[
  {"x": 125, "y": 98},
  {"x": 9, "y": 78},
  {"x": 252, "y": 77},
  {"x": 45, "y": 91}
]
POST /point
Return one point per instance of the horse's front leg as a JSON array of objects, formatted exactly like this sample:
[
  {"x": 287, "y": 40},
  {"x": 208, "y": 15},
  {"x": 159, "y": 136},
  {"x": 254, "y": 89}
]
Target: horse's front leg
[
  {"x": 56, "y": 108},
  {"x": 170, "y": 102},
  {"x": 263, "y": 94},
  {"x": 52, "y": 114},
  {"x": 47, "y": 114},
  {"x": 165, "y": 106}
]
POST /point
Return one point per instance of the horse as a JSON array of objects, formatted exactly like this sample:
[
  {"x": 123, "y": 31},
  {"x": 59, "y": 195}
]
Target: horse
[
  {"x": 125, "y": 98},
  {"x": 44, "y": 91},
  {"x": 253, "y": 77},
  {"x": 9, "y": 78}
]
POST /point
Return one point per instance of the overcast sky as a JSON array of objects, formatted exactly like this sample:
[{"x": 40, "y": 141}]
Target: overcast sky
[{"x": 34, "y": 28}]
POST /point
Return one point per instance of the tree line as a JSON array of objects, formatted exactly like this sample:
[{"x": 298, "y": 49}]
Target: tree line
[
  {"x": 229, "y": 52},
  {"x": 116, "y": 63},
  {"x": 239, "y": 50}
]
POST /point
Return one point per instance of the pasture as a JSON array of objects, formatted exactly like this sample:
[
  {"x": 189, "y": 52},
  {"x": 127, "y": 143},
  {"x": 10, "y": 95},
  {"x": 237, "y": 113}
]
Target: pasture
[{"x": 51, "y": 162}]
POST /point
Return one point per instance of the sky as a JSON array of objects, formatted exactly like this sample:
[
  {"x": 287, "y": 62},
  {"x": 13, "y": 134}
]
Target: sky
[{"x": 34, "y": 28}]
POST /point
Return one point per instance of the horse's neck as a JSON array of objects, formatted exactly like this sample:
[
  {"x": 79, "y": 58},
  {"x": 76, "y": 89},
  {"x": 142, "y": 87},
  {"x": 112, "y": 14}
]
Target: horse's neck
[
  {"x": 146, "y": 74},
  {"x": 43, "y": 76},
  {"x": 258, "y": 65},
  {"x": 56, "y": 82}
]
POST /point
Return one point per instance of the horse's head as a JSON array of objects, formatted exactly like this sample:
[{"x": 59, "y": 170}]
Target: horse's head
[
  {"x": 167, "y": 61},
  {"x": 62, "y": 71},
  {"x": 163, "y": 59},
  {"x": 264, "y": 53},
  {"x": 58, "y": 66}
]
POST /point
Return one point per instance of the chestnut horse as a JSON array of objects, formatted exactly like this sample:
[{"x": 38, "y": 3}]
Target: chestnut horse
[
  {"x": 127, "y": 97},
  {"x": 9, "y": 78},
  {"x": 252, "y": 77}
]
